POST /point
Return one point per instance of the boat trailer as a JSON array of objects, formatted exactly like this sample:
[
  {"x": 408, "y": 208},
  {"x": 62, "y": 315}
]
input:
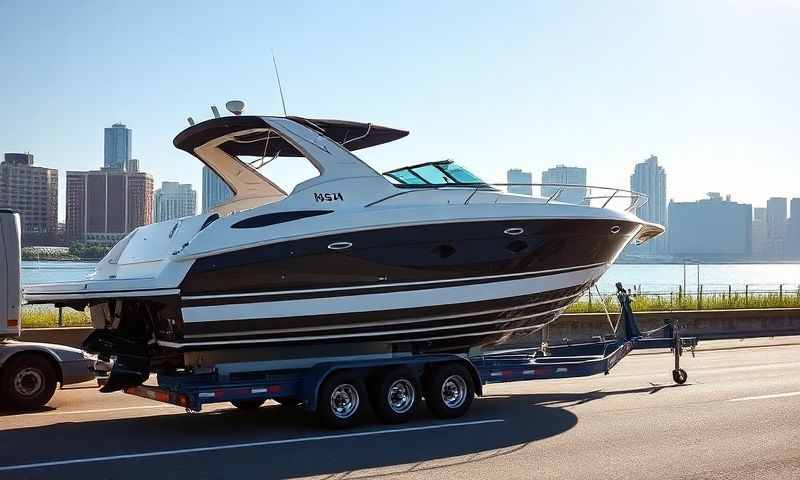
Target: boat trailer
[{"x": 448, "y": 382}]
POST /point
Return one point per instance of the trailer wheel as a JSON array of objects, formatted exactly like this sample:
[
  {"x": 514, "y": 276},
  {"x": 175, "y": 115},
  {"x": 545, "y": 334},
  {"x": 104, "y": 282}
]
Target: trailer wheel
[
  {"x": 341, "y": 400},
  {"x": 27, "y": 382},
  {"x": 395, "y": 395},
  {"x": 680, "y": 376},
  {"x": 449, "y": 390},
  {"x": 247, "y": 404}
]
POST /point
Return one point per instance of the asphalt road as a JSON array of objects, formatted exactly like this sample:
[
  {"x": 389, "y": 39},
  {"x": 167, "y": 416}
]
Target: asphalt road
[{"x": 737, "y": 417}]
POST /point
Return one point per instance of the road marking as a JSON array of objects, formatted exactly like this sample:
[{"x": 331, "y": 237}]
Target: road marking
[
  {"x": 99, "y": 410},
  {"x": 764, "y": 397},
  {"x": 243, "y": 445}
]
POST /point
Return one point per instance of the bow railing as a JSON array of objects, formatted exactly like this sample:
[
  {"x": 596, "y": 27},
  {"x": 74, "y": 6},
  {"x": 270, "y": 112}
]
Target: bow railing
[{"x": 588, "y": 195}]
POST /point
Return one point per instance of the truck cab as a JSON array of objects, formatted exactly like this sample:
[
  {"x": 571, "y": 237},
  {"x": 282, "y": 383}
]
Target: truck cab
[{"x": 29, "y": 372}]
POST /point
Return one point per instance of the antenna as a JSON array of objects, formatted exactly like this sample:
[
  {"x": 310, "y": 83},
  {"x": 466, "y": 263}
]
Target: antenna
[
  {"x": 215, "y": 111},
  {"x": 280, "y": 89},
  {"x": 191, "y": 121}
]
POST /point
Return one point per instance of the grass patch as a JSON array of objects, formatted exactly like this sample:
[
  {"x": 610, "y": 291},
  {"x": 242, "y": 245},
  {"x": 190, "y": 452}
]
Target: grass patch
[
  {"x": 671, "y": 302},
  {"x": 44, "y": 316}
]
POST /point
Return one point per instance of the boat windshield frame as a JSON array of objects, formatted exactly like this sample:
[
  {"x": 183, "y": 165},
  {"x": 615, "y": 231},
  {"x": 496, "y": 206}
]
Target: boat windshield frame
[{"x": 415, "y": 176}]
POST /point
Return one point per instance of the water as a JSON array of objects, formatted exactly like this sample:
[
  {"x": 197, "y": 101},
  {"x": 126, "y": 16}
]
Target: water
[
  {"x": 47, "y": 272},
  {"x": 651, "y": 278}
]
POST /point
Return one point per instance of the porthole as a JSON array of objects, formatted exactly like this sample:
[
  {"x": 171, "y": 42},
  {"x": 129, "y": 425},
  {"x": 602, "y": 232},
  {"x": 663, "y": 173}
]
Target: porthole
[
  {"x": 615, "y": 229},
  {"x": 340, "y": 245},
  {"x": 514, "y": 231}
]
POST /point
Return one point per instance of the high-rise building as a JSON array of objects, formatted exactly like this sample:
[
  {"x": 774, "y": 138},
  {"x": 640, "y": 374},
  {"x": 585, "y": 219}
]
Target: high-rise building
[
  {"x": 104, "y": 205},
  {"x": 792, "y": 244},
  {"x": 776, "y": 227},
  {"x": 117, "y": 147},
  {"x": 33, "y": 192},
  {"x": 174, "y": 200},
  {"x": 711, "y": 229},
  {"x": 215, "y": 191},
  {"x": 649, "y": 178},
  {"x": 523, "y": 179},
  {"x": 759, "y": 233},
  {"x": 562, "y": 174}
]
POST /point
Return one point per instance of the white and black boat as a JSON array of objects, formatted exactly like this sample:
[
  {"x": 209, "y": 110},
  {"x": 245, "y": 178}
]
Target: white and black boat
[{"x": 425, "y": 258}]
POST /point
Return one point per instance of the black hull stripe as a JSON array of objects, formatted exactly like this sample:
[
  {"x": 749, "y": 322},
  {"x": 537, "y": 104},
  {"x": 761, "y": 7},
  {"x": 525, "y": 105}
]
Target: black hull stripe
[
  {"x": 339, "y": 334},
  {"x": 509, "y": 304},
  {"x": 520, "y": 310},
  {"x": 423, "y": 341},
  {"x": 213, "y": 300},
  {"x": 410, "y": 253}
]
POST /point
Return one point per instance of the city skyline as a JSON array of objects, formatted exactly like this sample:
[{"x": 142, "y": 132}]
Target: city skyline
[{"x": 693, "y": 89}]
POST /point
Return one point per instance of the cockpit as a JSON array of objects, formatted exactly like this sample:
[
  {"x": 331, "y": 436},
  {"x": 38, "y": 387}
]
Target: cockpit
[{"x": 443, "y": 172}]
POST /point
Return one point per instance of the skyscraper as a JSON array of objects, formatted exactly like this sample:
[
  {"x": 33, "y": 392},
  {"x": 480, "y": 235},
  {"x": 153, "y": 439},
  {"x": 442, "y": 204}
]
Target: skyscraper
[
  {"x": 515, "y": 175},
  {"x": 711, "y": 229},
  {"x": 792, "y": 244},
  {"x": 174, "y": 200},
  {"x": 562, "y": 174},
  {"x": 104, "y": 205},
  {"x": 215, "y": 191},
  {"x": 117, "y": 147},
  {"x": 760, "y": 233},
  {"x": 33, "y": 192},
  {"x": 649, "y": 178},
  {"x": 776, "y": 227}
]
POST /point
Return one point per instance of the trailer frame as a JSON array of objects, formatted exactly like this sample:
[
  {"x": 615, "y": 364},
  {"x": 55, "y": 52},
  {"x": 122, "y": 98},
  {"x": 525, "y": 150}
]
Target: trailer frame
[{"x": 251, "y": 383}]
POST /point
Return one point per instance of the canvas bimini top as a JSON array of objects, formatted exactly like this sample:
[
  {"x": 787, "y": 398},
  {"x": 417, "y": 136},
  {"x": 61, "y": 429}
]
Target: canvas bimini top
[{"x": 220, "y": 143}]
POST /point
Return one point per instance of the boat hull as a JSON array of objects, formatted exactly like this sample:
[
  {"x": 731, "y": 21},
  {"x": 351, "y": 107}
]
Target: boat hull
[{"x": 406, "y": 285}]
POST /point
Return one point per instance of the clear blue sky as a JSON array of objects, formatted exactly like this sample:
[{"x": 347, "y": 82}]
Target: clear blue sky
[{"x": 712, "y": 87}]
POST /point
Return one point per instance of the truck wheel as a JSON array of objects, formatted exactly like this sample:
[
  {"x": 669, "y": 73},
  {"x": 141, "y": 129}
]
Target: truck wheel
[
  {"x": 247, "y": 404},
  {"x": 27, "y": 382},
  {"x": 341, "y": 400},
  {"x": 395, "y": 396},
  {"x": 449, "y": 390}
]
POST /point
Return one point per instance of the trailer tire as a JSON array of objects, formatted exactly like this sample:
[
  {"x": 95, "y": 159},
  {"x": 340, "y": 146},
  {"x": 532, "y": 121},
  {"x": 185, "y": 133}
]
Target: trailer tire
[
  {"x": 341, "y": 400},
  {"x": 449, "y": 390},
  {"x": 395, "y": 395},
  {"x": 27, "y": 382},
  {"x": 247, "y": 405},
  {"x": 680, "y": 376}
]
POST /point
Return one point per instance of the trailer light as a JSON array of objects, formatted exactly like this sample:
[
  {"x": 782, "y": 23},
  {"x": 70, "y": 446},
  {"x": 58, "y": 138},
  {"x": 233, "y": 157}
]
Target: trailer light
[
  {"x": 183, "y": 400},
  {"x": 274, "y": 389},
  {"x": 528, "y": 372},
  {"x": 258, "y": 390},
  {"x": 12, "y": 322},
  {"x": 206, "y": 394}
]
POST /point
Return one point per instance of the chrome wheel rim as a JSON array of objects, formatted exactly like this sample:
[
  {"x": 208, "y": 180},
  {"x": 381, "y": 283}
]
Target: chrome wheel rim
[
  {"x": 454, "y": 391},
  {"x": 28, "y": 382},
  {"x": 344, "y": 400},
  {"x": 401, "y": 396}
]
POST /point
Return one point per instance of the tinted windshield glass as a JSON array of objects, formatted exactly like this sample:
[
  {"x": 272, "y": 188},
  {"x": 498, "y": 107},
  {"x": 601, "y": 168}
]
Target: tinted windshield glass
[
  {"x": 461, "y": 174},
  {"x": 406, "y": 177},
  {"x": 435, "y": 173}
]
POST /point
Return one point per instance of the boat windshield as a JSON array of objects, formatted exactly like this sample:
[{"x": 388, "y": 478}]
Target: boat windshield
[{"x": 444, "y": 172}]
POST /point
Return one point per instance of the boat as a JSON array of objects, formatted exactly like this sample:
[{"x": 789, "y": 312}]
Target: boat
[{"x": 425, "y": 258}]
